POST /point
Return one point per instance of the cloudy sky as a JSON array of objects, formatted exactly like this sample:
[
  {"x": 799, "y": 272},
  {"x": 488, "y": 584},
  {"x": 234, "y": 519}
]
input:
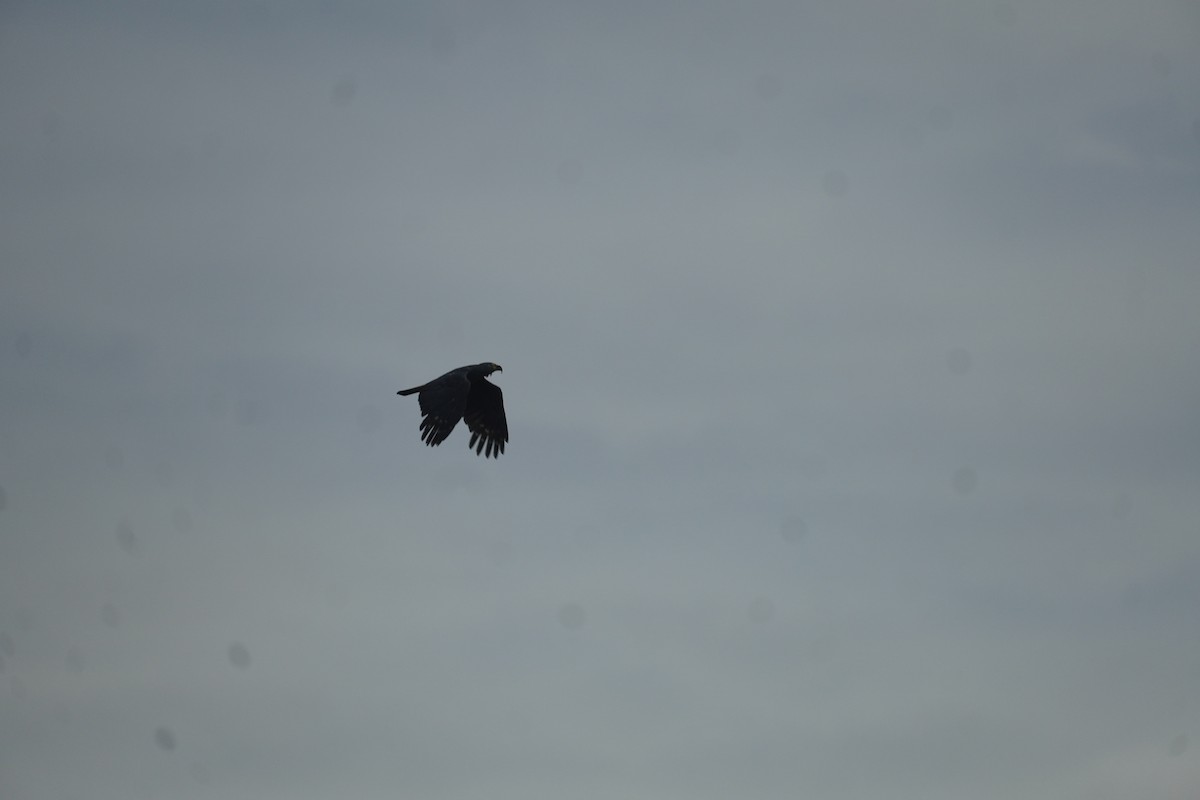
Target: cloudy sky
[{"x": 851, "y": 370}]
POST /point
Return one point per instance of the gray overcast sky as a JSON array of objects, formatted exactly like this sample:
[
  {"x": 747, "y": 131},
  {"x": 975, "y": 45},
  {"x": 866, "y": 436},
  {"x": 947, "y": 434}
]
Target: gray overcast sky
[{"x": 851, "y": 370}]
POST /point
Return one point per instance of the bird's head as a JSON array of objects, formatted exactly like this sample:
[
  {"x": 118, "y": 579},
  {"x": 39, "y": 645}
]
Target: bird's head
[{"x": 487, "y": 368}]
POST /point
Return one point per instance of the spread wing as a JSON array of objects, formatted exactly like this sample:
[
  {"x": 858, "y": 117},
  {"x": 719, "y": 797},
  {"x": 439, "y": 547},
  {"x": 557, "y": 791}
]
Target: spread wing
[
  {"x": 484, "y": 415},
  {"x": 443, "y": 402}
]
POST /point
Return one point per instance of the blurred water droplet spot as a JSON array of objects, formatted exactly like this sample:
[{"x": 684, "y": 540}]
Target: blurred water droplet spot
[
  {"x": 835, "y": 183},
  {"x": 588, "y": 534},
  {"x": 165, "y": 474},
  {"x": 164, "y": 738},
  {"x": 813, "y": 467},
  {"x": 499, "y": 551},
  {"x": 767, "y": 86},
  {"x": 343, "y": 92},
  {"x": 965, "y": 480},
  {"x": 74, "y": 660},
  {"x": 1136, "y": 284},
  {"x": 181, "y": 520},
  {"x": 183, "y": 156},
  {"x": 51, "y": 125},
  {"x": 216, "y": 405},
  {"x": 793, "y": 529},
  {"x": 109, "y": 615},
  {"x": 239, "y": 655},
  {"x": 201, "y": 774},
  {"x": 443, "y": 40},
  {"x": 1122, "y": 505},
  {"x": 337, "y": 596},
  {"x": 451, "y": 333},
  {"x": 761, "y": 610},
  {"x": 1161, "y": 64},
  {"x": 1179, "y": 745},
  {"x": 126, "y": 538},
  {"x": 958, "y": 361},
  {"x": 249, "y": 412},
  {"x": 727, "y": 141},
  {"x": 114, "y": 457},
  {"x": 569, "y": 172},
  {"x": 23, "y": 344},
  {"x": 572, "y": 616},
  {"x": 211, "y": 144},
  {"x": 1004, "y": 14},
  {"x": 940, "y": 118},
  {"x": 368, "y": 418}
]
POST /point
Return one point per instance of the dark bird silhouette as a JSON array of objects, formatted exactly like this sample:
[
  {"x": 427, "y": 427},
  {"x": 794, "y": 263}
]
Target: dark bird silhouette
[{"x": 464, "y": 393}]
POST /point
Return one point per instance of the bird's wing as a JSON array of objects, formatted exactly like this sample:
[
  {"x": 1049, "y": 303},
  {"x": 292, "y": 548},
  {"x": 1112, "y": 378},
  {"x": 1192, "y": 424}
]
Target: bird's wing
[
  {"x": 485, "y": 417},
  {"x": 442, "y": 404}
]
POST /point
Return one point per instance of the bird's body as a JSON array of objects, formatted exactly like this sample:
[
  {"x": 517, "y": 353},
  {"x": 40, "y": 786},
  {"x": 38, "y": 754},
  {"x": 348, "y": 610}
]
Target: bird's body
[{"x": 464, "y": 393}]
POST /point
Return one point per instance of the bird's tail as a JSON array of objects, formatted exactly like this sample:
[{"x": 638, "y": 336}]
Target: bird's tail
[{"x": 413, "y": 390}]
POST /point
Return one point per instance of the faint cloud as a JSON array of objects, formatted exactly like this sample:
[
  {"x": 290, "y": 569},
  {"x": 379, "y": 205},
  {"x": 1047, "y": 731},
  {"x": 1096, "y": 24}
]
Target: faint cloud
[
  {"x": 110, "y": 616},
  {"x": 1179, "y": 745},
  {"x": 23, "y": 344}
]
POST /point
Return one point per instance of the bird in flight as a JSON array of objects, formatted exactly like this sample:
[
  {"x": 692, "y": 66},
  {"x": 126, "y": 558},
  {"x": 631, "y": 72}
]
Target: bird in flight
[{"x": 464, "y": 393}]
